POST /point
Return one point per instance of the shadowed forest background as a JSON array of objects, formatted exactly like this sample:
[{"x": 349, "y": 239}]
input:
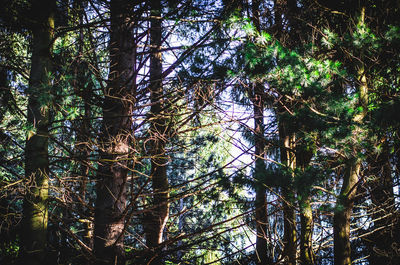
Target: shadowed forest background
[{"x": 199, "y": 132}]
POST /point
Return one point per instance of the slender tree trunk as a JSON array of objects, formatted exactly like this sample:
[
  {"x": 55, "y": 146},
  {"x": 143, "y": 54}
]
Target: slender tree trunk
[
  {"x": 116, "y": 139},
  {"x": 261, "y": 213},
  {"x": 83, "y": 133},
  {"x": 35, "y": 206},
  {"x": 158, "y": 216},
  {"x": 259, "y": 176},
  {"x": 345, "y": 201},
  {"x": 289, "y": 214},
  {"x": 84, "y": 152}
]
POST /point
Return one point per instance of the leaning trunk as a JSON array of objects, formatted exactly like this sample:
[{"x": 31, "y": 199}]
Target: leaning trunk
[
  {"x": 116, "y": 140},
  {"x": 157, "y": 217},
  {"x": 35, "y": 207}
]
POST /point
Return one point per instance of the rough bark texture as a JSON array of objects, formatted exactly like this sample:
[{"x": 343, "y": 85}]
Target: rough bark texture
[
  {"x": 116, "y": 140},
  {"x": 307, "y": 255},
  {"x": 35, "y": 208},
  {"x": 157, "y": 217},
  {"x": 345, "y": 201},
  {"x": 344, "y": 207},
  {"x": 289, "y": 160}
]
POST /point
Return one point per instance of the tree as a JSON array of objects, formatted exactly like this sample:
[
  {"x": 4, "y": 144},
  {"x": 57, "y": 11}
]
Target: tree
[
  {"x": 157, "y": 217},
  {"x": 35, "y": 213},
  {"x": 201, "y": 132},
  {"x": 258, "y": 98},
  {"x": 117, "y": 139},
  {"x": 345, "y": 201}
]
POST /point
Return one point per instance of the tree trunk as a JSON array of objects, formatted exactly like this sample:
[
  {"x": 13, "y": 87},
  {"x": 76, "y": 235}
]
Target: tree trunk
[
  {"x": 259, "y": 176},
  {"x": 345, "y": 201},
  {"x": 344, "y": 207},
  {"x": 116, "y": 139},
  {"x": 35, "y": 206},
  {"x": 157, "y": 217},
  {"x": 289, "y": 160},
  {"x": 261, "y": 213},
  {"x": 83, "y": 133},
  {"x": 307, "y": 256}
]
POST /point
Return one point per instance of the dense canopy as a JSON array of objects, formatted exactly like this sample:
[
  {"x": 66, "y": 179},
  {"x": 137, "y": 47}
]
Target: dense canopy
[{"x": 199, "y": 132}]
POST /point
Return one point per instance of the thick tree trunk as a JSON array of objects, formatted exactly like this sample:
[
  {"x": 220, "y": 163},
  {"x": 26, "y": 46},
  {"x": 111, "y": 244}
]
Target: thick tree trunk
[
  {"x": 344, "y": 207},
  {"x": 116, "y": 139},
  {"x": 35, "y": 208},
  {"x": 307, "y": 256},
  {"x": 157, "y": 217},
  {"x": 289, "y": 214},
  {"x": 345, "y": 201}
]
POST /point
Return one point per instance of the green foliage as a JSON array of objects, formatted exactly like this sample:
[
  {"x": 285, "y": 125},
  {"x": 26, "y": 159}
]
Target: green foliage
[
  {"x": 310, "y": 73},
  {"x": 9, "y": 251}
]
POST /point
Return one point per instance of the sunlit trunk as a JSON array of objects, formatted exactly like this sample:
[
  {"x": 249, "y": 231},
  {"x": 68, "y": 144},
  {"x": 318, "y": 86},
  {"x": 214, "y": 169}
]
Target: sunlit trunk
[
  {"x": 345, "y": 201},
  {"x": 307, "y": 256},
  {"x": 35, "y": 207},
  {"x": 343, "y": 210},
  {"x": 288, "y": 159}
]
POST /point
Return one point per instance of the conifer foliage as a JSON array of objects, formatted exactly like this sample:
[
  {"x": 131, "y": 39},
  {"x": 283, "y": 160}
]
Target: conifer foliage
[{"x": 199, "y": 132}]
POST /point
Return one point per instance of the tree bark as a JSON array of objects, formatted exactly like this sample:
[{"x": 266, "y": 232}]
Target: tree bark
[
  {"x": 343, "y": 210},
  {"x": 261, "y": 213},
  {"x": 288, "y": 159},
  {"x": 345, "y": 201},
  {"x": 116, "y": 140},
  {"x": 259, "y": 176},
  {"x": 35, "y": 206},
  {"x": 157, "y": 217},
  {"x": 307, "y": 256}
]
